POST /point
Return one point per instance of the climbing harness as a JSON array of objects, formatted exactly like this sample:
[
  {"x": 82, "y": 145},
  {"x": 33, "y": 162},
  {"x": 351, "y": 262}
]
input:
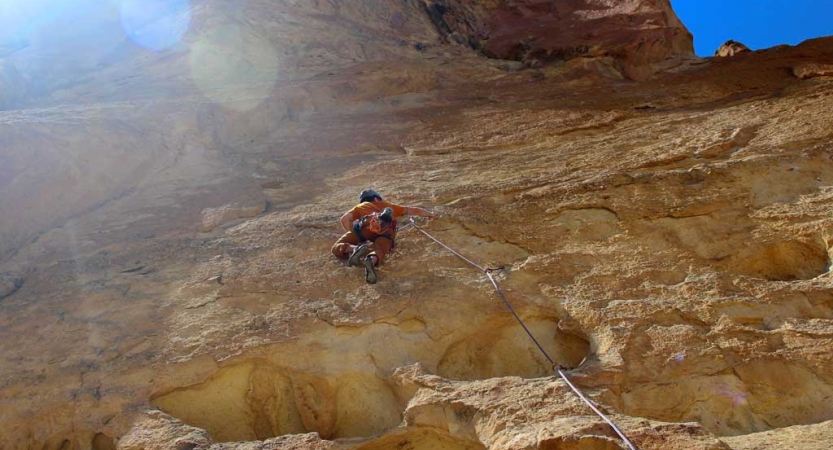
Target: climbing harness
[
  {"x": 555, "y": 367},
  {"x": 377, "y": 228}
]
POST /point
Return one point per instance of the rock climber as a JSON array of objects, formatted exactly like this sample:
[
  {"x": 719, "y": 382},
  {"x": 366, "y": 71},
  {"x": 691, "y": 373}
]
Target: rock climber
[{"x": 371, "y": 231}]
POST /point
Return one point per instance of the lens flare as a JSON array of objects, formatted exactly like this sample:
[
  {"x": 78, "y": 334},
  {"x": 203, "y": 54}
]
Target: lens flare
[
  {"x": 679, "y": 357},
  {"x": 155, "y": 24},
  {"x": 733, "y": 393},
  {"x": 234, "y": 66}
]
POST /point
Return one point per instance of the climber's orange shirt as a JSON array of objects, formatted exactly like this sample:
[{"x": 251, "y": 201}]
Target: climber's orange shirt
[{"x": 363, "y": 209}]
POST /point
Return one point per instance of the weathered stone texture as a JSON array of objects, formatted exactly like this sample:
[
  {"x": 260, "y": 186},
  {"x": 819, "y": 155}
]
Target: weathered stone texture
[
  {"x": 165, "y": 275},
  {"x": 635, "y": 33},
  {"x": 731, "y": 48}
]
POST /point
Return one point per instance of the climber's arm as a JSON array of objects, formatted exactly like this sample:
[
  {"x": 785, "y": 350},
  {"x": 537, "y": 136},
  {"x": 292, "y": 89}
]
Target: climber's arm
[
  {"x": 417, "y": 211},
  {"x": 347, "y": 221}
]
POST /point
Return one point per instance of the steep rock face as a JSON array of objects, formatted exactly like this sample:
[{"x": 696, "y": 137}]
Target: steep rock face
[
  {"x": 636, "y": 33},
  {"x": 246, "y": 72},
  {"x": 12, "y": 83},
  {"x": 242, "y": 69},
  {"x": 812, "y": 70},
  {"x": 96, "y": 50},
  {"x": 166, "y": 279}
]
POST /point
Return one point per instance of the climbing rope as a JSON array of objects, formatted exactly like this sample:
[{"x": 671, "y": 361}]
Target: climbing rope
[{"x": 556, "y": 368}]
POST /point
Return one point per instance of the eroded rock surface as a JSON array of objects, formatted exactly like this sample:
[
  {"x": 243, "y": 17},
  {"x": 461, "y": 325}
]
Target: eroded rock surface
[
  {"x": 731, "y": 48},
  {"x": 635, "y": 33},
  {"x": 9, "y": 284},
  {"x": 166, "y": 275},
  {"x": 808, "y": 437},
  {"x": 811, "y": 70}
]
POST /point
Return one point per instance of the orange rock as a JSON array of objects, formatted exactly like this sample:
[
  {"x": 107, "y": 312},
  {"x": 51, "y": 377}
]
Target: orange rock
[
  {"x": 812, "y": 70},
  {"x": 669, "y": 240},
  {"x": 637, "y": 33}
]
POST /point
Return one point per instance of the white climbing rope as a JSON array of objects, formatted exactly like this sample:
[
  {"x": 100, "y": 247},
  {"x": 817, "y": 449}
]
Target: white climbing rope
[{"x": 555, "y": 367}]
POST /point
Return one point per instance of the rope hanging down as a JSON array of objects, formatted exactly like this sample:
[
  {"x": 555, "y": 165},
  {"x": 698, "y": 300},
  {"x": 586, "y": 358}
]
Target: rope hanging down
[{"x": 555, "y": 367}]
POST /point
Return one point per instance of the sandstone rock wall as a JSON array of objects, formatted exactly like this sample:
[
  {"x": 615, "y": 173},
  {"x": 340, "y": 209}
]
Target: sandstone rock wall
[
  {"x": 636, "y": 33},
  {"x": 135, "y": 132},
  {"x": 166, "y": 282},
  {"x": 241, "y": 69}
]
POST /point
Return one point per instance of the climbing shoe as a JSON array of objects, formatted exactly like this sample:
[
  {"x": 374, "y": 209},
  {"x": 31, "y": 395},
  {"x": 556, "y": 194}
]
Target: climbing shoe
[
  {"x": 369, "y": 271},
  {"x": 358, "y": 255}
]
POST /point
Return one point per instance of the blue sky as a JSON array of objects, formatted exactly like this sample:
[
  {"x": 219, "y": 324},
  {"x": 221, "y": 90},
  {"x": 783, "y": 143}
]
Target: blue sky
[{"x": 756, "y": 23}]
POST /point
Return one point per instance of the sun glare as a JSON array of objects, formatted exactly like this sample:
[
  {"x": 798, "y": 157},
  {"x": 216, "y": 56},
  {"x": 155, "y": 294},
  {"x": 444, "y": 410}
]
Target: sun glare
[
  {"x": 233, "y": 67},
  {"x": 155, "y": 24},
  {"x": 230, "y": 63}
]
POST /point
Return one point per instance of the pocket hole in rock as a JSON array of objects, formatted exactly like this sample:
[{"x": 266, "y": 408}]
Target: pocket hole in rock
[
  {"x": 506, "y": 350},
  {"x": 256, "y": 401},
  {"x": 103, "y": 442},
  {"x": 783, "y": 261}
]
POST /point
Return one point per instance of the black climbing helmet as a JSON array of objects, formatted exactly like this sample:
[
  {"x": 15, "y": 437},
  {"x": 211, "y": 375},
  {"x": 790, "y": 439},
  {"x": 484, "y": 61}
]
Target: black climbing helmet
[
  {"x": 386, "y": 215},
  {"x": 368, "y": 195}
]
